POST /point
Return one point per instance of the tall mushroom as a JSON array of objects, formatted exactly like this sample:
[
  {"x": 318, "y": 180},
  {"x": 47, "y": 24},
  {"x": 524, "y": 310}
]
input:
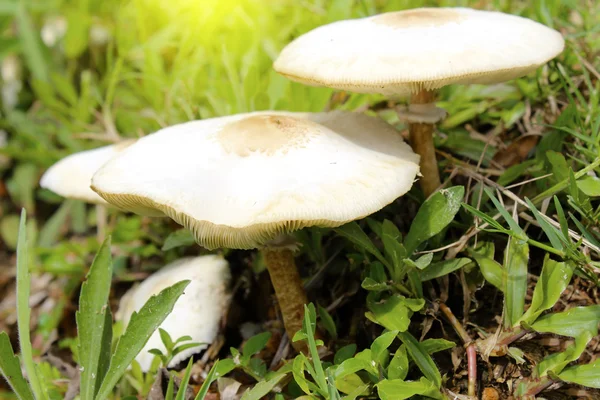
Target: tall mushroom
[
  {"x": 246, "y": 181},
  {"x": 196, "y": 313},
  {"x": 71, "y": 177},
  {"x": 414, "y": 53}
]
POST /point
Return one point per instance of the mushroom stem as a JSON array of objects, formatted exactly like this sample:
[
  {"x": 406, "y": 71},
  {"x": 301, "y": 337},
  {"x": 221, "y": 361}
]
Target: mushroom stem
[
  {"x": 421, "y": 140},
  {"x": 288, "y": 288},
  {"x": 101, "y": 217}
]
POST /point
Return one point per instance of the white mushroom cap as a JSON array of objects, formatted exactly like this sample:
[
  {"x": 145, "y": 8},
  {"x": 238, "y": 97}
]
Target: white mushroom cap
[
  {"x": 71, "y": 177},
  {"x": 423, "y": 48},
  {"x": 197, "y": 312},
  {"x": 239, "y": 181}
]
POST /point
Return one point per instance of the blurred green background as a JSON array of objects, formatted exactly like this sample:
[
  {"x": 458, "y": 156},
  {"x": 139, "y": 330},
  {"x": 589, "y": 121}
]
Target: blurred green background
[{"x": 77, "y": 74}]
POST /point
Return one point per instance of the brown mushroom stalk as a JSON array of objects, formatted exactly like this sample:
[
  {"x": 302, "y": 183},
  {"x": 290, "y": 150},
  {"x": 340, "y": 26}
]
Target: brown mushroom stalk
[
  {"x": 421, "y": 140},
  {"x": 101, "y": 222},
  {"x": 288, "y": 288}
]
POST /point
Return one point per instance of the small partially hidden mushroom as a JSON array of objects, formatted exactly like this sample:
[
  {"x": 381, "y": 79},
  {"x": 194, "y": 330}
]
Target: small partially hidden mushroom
[
  {"x": 71, "y": 177},
  {"x": 246, "y": 181},
  {"x": 197, "y": 313},
  {"x": 414, "y": 53}
]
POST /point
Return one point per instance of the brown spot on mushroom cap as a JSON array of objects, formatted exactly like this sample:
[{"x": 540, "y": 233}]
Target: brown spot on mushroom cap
[
  {"x": 425, "y": 17},
  {"x": 266, "y": 134}
]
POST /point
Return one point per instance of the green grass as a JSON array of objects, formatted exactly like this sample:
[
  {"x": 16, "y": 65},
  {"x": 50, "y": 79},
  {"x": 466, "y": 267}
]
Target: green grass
[{"x": 168, "y": 62}]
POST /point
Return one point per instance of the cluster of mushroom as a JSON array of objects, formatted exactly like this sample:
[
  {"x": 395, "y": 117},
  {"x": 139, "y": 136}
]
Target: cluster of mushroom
[{"x": 246, "y": 181}]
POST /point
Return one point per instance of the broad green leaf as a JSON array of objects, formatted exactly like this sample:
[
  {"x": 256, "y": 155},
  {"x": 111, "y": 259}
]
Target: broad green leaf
[
  {"x": 255, "y": 344},
  {"x": 166, "y": 339},
  {"x": 394, "y": 312},
  {"x": 589, "y": 185},
  {"x": 421, "y": 358},
  {"x": 556, "y": 362},
  {"x": 298, "y": 373},
  {"x": 181, "y": 237},
  {"x": 223, "y": 367},
  {"x": 585, "y": 375},
  {"x": 517, "y": 354},
  {"x": 355, "y": 234},
  {"x": 138, "y": 331},
  {"x": 353, "y": 365},
  {"x": 422, "y": 262},
  {"x": 91, "y": 317},
  {"x": 552, "y": 282},
  {"x": 350, "y": 384},
  {"x": 344, "y": 353},
  {"x": 490, "y": 269},
  {"x": 262, "y": 388},
  {"x": 381, "y": 344},
  {"x": 371, "y": 285},
  {"x": 398, "y": 367},
  {"x": 398, "y": 389},
  {"x": 560, "y": 168},
  {"x": 442, "y": 268},
  {"x": 10, "y": 368},
  {"x": 516, "y": 258},
  {"x": 23, "y": 310},
  {"x": 434, "y": 345},
  {"x": 573, "y": 322},
  {"x": 433, "y": 216}
]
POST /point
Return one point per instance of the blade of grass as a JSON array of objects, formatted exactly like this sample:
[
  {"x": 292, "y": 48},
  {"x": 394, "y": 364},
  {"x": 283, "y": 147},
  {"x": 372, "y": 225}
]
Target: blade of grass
[
  {"x": 31, "y": 44},
  {"x": 91, "y": 319},
  {"x": 312, "y": 347},
  {"x": 207, "y": 382},
  {"x": 185, "y": 381},
  {"x": 514, "y": 226},
  {"x": 23, "y": 310}
]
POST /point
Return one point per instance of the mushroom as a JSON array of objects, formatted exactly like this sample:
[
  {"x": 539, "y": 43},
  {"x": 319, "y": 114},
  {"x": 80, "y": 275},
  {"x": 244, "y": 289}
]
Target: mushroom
[
  {"x": 71, "y": 177},
  {"x": 246, "y": 181},
  {"x": 415, "y": 52},
  {"x": 197, "y": 313}
]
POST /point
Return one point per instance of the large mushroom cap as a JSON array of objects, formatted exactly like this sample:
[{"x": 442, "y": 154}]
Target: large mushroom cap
[
  {"x": 424, "y": 48},
  {"x": 71, "y": 177},
  {"x": 240, "y": 180},
  {"x": 196, "y": 313}
]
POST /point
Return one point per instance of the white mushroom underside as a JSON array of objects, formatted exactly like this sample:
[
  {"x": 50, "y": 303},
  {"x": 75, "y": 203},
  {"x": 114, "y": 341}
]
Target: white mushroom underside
[
  {"x": 197, "y": 312},
  {"x": 71, "y": 177},
  {"x": 239, "y": 189},
  {"x": 406, "y": 51}
]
